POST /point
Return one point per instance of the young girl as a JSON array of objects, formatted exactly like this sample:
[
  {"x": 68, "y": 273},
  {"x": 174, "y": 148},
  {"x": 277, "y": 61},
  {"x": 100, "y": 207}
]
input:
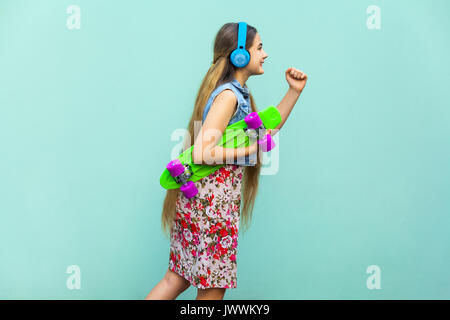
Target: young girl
[{"x": 204, "y": 229}]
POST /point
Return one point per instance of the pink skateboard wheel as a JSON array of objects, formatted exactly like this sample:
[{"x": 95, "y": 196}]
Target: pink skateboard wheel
[
  {"x": 175, "y": 168},
  {"x": 189, "y": 189},
  {"x": 266, "y": 143},
  {"x": 253, "y": 120}
]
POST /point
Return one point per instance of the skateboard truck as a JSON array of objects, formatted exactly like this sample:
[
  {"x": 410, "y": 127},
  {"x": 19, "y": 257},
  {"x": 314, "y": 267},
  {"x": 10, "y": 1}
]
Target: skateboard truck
[
  {"x": 181, "y": 173},
  {"x": 254, "y": 128}
]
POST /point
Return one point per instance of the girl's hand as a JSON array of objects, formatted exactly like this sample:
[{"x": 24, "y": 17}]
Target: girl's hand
[
  {"x": 253, "y": 148},
  {"x": 296, "y": 79}
]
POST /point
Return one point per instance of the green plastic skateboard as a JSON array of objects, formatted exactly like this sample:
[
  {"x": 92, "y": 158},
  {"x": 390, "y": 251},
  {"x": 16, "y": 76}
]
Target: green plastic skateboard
[{"x": 234, "y": 136}]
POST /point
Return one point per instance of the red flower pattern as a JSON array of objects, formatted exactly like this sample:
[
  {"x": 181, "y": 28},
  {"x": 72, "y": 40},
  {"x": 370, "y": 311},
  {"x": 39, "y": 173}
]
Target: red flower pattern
[{"x": 203, "y": 226}]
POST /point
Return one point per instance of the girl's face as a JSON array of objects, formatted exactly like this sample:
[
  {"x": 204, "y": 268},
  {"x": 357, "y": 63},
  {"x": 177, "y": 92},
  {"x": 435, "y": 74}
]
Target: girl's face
[{"x": 257, "y": 56}]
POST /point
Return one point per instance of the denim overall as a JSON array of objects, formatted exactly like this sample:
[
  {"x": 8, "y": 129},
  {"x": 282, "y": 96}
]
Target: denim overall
[{"x": 243, "y": 109}]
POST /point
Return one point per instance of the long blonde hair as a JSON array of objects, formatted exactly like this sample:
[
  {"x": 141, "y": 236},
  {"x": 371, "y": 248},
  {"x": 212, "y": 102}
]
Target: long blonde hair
[{"x": 221, "y": 71}]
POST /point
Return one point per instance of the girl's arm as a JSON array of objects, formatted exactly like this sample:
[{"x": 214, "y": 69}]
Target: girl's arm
[
  {"x": 206, "y": 150},
  {"x": 286, "y": 105},
  {"x": 296, "y": 80}
]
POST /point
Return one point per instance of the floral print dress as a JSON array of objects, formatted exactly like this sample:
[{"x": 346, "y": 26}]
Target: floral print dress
[{"x": 204, "y": 235}]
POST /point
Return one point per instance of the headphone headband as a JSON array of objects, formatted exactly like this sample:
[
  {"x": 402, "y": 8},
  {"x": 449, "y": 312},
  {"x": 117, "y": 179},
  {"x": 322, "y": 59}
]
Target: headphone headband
[{"x": 242, "y": 35}]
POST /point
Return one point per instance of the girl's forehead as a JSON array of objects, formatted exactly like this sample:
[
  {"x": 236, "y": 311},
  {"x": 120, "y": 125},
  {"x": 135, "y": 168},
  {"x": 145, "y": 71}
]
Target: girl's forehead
[{"x": 256, "y": 40}]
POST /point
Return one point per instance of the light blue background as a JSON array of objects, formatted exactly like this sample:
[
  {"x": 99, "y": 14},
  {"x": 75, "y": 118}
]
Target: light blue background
[{"x": 86, "y": 117}]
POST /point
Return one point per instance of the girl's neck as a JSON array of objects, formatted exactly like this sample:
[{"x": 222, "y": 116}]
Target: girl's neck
[{"x": 241, "y": 78}]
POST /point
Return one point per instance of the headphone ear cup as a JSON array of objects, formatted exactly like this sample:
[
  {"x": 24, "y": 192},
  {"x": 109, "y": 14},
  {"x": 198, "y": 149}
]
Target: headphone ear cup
[{"x": 240, "y": 58}]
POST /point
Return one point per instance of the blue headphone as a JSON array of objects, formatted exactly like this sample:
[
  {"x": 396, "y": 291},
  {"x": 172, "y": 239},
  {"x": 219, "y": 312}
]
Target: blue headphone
[{"x": 241, "y": 57}]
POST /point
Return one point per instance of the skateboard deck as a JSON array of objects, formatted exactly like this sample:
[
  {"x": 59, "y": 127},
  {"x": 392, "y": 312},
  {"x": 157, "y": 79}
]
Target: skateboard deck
[{"x": 234, "y": 136}]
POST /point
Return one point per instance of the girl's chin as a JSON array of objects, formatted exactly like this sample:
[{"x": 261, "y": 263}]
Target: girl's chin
[{"x": 259, "y": 71}]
